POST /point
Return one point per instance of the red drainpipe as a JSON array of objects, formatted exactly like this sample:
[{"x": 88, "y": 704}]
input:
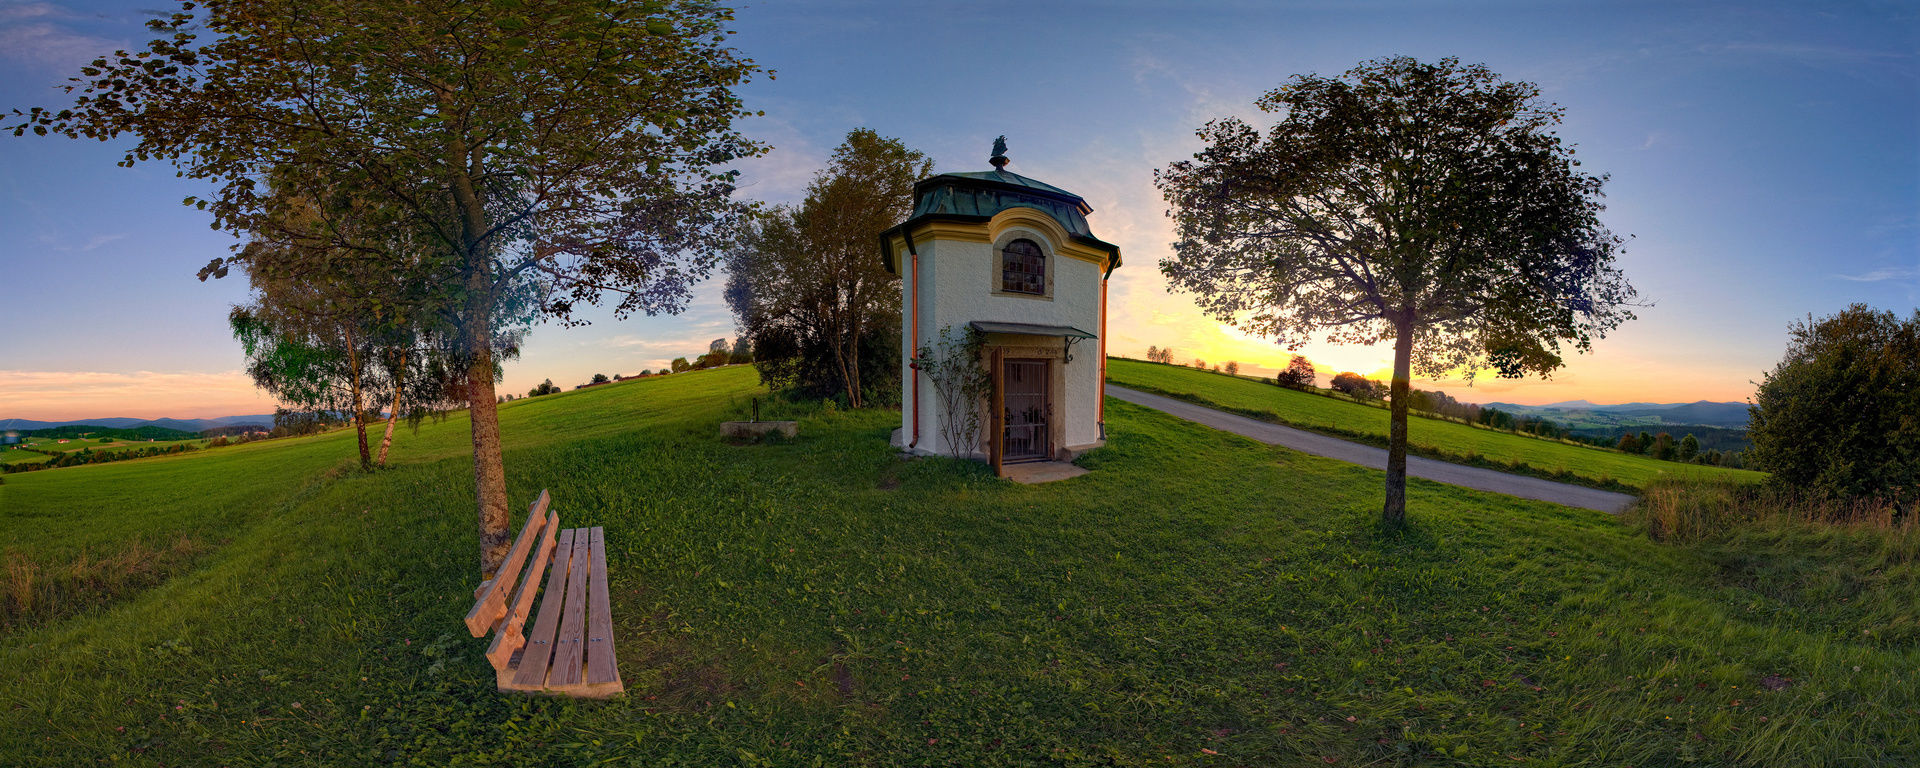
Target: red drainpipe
[
  {"x": 1103, "y": 359},
  {"x": 913, "y": 352}
]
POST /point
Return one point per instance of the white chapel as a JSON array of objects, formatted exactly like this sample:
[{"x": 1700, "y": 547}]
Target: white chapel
[{"x": 1013, "y": 259}]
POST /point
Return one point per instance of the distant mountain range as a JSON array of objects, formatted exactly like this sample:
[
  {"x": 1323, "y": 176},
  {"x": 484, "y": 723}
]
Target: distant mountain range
[
  {"x": 121, "y": 422},
  {"x": 1584, "y": 414}
]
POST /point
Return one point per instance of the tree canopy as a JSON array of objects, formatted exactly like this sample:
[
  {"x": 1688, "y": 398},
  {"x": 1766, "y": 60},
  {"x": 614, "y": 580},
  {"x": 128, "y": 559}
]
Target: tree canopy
[
  {"x": 1840, "y": 415},
  {"x": 820, "y": 312},
  {"x": 576, "y": 144},
  {"x": 1427, "y": 204}
]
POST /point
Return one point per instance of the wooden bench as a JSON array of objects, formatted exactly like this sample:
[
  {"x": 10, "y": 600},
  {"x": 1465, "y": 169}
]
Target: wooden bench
[{"x": 569, "y": 651}]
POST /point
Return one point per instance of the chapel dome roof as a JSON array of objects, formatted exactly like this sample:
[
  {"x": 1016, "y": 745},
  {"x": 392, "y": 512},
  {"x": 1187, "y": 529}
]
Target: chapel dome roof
[
  {"x": 985, "y": 193},
  {"x": 975, "y": 196}
]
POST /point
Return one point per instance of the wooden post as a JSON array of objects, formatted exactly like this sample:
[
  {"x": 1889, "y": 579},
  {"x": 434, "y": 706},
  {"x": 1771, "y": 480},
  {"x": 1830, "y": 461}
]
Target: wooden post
[{"x": 996, "y": 435}]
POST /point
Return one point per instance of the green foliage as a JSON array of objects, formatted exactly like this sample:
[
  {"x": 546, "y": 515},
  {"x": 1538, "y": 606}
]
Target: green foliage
[
  {"x": 1428, "y": 204},
  {"x": 822, "y": 602},
  {"x": 1355, "y": 386},
  {"x": 1840, "y": 414},
  {"x": 600, "y": 378},
  {"x": 819, "y": 311},
  {"x": 961, "y": 382},
  {"x": 1629, "y": 444},
  {"x": 680, "y": 364},
  {"x": 1689, "y": 448},
  {"x": 1298, "y": 374},
  {"x": 545, "y": 387},
  {"x": 148, "y": 432},
  {"x": 1662, "y": 447},
  {"x": 583, "y": 143}
]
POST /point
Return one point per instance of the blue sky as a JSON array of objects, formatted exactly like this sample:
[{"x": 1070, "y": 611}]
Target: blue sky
[{"x": 1764, "y": 157}]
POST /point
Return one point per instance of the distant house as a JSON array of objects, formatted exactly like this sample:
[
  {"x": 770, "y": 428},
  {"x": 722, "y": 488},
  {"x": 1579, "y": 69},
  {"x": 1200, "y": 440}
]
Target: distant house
[{"x": 64, "y": 441}]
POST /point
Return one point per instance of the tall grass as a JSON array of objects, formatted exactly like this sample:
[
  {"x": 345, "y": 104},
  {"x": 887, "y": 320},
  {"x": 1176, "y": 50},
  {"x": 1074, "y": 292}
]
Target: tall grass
[
  {"x": 1695, "y": 510},
  {"x": 38, "y": 591}
]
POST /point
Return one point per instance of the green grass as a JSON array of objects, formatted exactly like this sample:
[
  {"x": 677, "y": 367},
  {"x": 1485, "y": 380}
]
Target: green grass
[
  {"x": 822, "y": 602},
  {"x": 53, "y": 444},
  {"x": 1446, "y": 440},
  {"x": 11, "y": 456}
]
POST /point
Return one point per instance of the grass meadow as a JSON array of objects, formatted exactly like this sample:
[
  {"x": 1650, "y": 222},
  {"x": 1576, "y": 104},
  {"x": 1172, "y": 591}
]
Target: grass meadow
[
  {"x": 1199, "y": 599},
  {"x": 1436, "y": 438}
]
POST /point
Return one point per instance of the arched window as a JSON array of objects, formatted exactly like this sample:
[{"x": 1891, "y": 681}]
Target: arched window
[{"x": 1023, "y": 268}]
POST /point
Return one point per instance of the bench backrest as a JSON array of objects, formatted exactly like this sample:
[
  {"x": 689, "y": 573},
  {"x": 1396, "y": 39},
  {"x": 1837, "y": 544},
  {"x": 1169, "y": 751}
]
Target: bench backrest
[{"x": 504, "y": 601}]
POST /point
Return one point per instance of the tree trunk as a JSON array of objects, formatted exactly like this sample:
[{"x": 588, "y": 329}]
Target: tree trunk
[
  {"x": 489, "y": 473},
  {"x": 393, "y": 413},
  {"x": 854, "y": 388},
  {"x": 359, "y": 402},
  {"x": 840, "y": 359},
  {"x": 1395, "y": 512}
]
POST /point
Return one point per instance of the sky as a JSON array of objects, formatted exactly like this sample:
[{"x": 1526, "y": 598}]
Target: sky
[{"x": 1763, "y": 157}]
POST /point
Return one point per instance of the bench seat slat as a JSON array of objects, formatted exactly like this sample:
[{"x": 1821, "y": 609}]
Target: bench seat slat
[
  {"x": 568, "y": 648},
  {"x": 601, "y": 666},
  {"x": 532, "y": 672}
]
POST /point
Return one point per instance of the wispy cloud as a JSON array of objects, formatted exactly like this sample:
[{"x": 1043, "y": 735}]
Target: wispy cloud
[
  {"x": 43, "y": 35},
  {"x": 1884, "y": 274},
  {"x": 99, "y": 240}
]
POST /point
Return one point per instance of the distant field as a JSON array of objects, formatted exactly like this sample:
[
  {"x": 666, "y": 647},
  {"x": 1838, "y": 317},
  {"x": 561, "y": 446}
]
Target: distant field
[
  {"x": 116, "y": 445},
  {"x": 10, "y": 456},
  {"x": 1440, "y": 439}
]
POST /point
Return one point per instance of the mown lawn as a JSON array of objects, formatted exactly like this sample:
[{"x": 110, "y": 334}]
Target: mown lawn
[
  {"x": 1198, "y": 600},
  {"x": 1439, "y": 439}
]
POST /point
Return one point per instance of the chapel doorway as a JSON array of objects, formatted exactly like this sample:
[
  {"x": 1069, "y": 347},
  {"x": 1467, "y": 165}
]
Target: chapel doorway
[{"x": 1028, "y": 409}]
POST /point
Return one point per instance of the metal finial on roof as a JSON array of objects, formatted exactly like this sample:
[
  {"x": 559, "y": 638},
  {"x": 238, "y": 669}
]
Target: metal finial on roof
[{"x": 999, "y": 159}]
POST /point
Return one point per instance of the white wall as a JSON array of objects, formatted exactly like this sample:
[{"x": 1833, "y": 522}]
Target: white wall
[{"x": 957, "y": 287}]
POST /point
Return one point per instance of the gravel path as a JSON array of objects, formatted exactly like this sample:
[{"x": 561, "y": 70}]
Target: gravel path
[{"x": 1368, "y": 456}]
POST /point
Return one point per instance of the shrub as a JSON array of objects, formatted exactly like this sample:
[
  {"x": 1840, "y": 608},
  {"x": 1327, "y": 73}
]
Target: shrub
[
  {"x": 1840, "y": 414},
  {"x": 952, "y": 365},
  {"x": 1355, "y": 386}
]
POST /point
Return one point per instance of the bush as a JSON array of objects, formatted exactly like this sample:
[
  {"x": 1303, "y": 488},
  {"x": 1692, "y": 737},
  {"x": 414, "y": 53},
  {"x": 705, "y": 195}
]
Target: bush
[
  {"x": 1840, "y": 415},
  {"x": 1355, "y": 386},
  {"x": 1298, "y": 375}
]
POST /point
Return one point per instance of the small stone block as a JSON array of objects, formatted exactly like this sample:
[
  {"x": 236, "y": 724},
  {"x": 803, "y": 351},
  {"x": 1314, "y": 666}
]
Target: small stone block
[{"x": 755, "y": 429}]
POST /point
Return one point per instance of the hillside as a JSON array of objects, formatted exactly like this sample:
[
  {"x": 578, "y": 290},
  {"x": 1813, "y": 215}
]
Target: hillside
[
  {"x": 121, "y": 422},
  {"x": 1445, "y": 440},
  {"x": 96, "y": 431},
  {"x": 1198, "y": 599},
  {"x": 1581, "y": 414}
]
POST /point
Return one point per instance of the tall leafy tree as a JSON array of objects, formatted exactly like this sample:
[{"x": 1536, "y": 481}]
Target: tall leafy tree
[
  {"x": 346, "y": 315},
  {"x": 819, "y": 311},
  {"x": 579, "y": 142},
  {"x": 1839, "y": 416},
  {"x": 1426, "y": 204}
]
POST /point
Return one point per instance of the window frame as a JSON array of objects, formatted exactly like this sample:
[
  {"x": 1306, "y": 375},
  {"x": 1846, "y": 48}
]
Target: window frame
[{"x": 1045, "y": 264}]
